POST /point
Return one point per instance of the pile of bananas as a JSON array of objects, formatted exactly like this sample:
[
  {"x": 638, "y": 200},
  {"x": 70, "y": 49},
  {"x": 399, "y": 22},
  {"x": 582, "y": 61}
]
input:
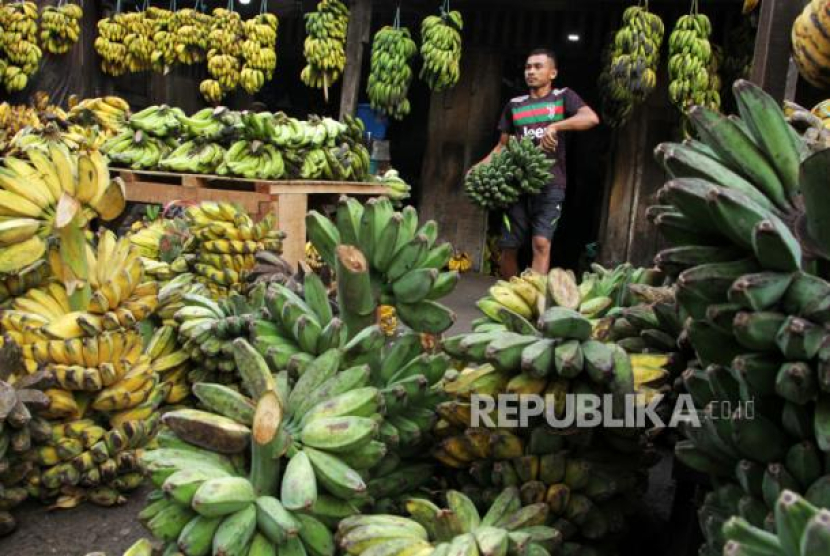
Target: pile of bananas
[
  {"x": 690, "y": 56},
  {"x": 109, "y": 114},
  {"x": 20, "y": 54},
  {"x": 404, "y": 258},
  {"x": 29, "y": 195},
  {"x": 227, "y": 239},
  {"x": 389, "y": 73},
  {"x": 810, "y": 43},
  {"x": 252, "y": 159},
  {"x": 630, "y": 74},
  {"x": 398, "y": 189},
  {"x": 194, "y": 157},
  {"x": 135, "y": 149},
  {"x": 441, "y": 49},
  {"x": 803, "y": 527},
  {"x": 13, "y": 118},
  {"x": 508, "y": 527},
  {"x": 460, "y": 262},
  {"x": 60, "y": 27},
  {"x": 325, "y": 46},
  {"x": 519, "y": 169},
  {"x": 259, "y": 51},
  {"x": 109, "y": 44},
  {"x": 745, "y": 205},
  {"x": 53, "y": 133}
]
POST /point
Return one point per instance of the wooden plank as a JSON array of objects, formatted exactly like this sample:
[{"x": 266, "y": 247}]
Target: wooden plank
[
  {"x": 357, "y": 39},
  {"x": 163, "y": 193},
  {"x": 343, "y": 188},
  {"x": 772, "y": 45},
  {"x": 291, "y": 212}
]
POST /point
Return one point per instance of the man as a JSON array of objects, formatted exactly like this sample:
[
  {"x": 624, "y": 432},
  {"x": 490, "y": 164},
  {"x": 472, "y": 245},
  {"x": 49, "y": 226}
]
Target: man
[{"x": 545, "y": 115}]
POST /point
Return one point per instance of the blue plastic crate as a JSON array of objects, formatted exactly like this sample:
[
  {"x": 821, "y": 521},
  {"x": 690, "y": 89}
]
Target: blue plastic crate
[{"x": 375, "y": 122}]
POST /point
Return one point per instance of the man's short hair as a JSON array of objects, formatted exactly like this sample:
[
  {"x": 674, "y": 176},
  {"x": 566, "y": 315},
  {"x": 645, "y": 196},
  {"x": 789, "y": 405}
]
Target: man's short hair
[{"x": 544, "y": 52}]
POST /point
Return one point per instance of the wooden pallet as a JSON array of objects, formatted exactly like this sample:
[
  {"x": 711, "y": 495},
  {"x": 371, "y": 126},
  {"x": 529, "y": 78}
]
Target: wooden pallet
[{"x": 287, "y": 199}]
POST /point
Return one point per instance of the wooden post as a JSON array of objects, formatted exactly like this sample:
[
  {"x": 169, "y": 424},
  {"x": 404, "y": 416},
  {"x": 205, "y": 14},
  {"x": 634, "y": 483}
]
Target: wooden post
[
  {"x": 360, "y": 23},
  {"x": 772, "y": 45}
]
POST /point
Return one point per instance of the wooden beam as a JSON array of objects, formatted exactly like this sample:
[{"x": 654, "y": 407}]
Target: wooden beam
[
  {"x": 772, "y": 45},
  {"x": 360, "y": 22}
]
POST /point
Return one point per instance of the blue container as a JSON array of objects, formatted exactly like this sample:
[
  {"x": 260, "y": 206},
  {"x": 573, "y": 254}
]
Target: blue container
[{"x": 375, "y": 122}]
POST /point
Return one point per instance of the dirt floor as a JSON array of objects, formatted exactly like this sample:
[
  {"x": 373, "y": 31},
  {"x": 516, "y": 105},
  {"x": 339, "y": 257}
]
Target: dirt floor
[{"x": 91, "y": 529}]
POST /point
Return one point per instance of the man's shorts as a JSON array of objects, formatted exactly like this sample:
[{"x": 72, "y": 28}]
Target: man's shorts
[{"x": 536, "y": 215}]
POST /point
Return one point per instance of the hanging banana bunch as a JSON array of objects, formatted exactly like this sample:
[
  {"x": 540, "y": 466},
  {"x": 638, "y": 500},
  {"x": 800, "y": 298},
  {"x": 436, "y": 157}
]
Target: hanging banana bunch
[
  {"x": 390, "y": 73},
  {"x": 325, "y": 45},
  {"x": 109, "y": 44},
  {"x": 259, "y": 50},
  {"x": 20, "y": 53},
  {"x": 690, "y": 54},
  {"x": 139, "y": 41},
  {"x": 224, "y": 64},
  {"x": 631, "y": 64},
  {"x": 192, "y": 27},
  {"x": 60, "y": 27},
  {"x": 163, "y": 55},
  {"x": 441, "y": 48}
]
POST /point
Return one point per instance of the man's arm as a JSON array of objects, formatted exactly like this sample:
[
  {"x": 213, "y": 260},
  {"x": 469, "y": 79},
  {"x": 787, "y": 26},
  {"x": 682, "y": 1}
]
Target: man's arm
[{"x": 584, "y": 118}]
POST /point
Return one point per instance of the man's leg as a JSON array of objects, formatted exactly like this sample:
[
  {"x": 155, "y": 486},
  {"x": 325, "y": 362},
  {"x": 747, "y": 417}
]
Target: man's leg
[
  {"x": 541, "y": 254},
  {"x": 547, "y": 208},
  {"x": 515, "y": 226}
]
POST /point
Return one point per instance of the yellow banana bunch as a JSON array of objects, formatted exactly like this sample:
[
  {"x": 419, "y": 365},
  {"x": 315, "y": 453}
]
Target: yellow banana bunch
[
  {"x": 390, "y": 74},
  {"x": 109, "y": 114},
  {"x": 441, "y": 49},
  {"x": 690, "y": 62},
  {"x": 224, "y": 62},
  {"x": 109, "y": 44},
  {"x": 191, "y": 29},
  {"x": 325, "y": 44},
  {"x": 811, "y": 46},
  {"x": 21, "y": 54},
  {"x": 259, "y": 51},
  {"x": 461, "y": 262},
  {"x": 60, "y": 27},
  {"x": 138, "y": 41}
]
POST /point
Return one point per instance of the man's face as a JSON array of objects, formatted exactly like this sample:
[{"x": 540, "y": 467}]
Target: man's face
[{"x": 539, "y": 71}]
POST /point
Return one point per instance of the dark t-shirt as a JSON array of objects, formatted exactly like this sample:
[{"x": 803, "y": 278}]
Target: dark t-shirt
[{"x": 528, "y": 116}]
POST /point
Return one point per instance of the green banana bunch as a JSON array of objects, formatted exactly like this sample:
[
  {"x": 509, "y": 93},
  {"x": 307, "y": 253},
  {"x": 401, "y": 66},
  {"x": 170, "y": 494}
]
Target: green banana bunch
[
  {"x": 259, "y": 51},
  {"x": 520, "y": 168},
  {"x": 325, "y": 44},
  {"x": 691, "y": 68},
  {"x": 508, "y": 527},
  {"x": 390, "y": 74},
  {"x": 402, "y": 256},
  {"x": 193, "y": 158},
  {"x": 211, "y": 124},
  {"x": 135, "y": 149},
  {"x": 441, "y": 49},
  {"x": 631, "y": 62},
  {"x": 398, "y": 188},
  {"x": 158, "y": 121},
  {"x": 750, "y": 290},
  {"x": 252, "y": 159}
]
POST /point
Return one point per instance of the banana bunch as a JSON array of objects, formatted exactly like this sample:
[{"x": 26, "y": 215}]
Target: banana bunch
[
  {"x": 22, "y": 424},
  {"x": 192, "y": 30},
  {"x": 325, "y": 45},
  {"x": 634, "y": 56},
  {"x": 51, "y": 134},
  {"x": 408, "y": 272},
  {"x": 811, "y": 124},
  {"x": 259, "y": 51},
  {"x": 13, "y": 285},
  {"x": 519, "y": 169},
  {"x": 225, "y": 37},
  {"x": 171, "y": 362},
  {"x": 60, "y": 27},
  {"x": 140, "y": 30},
  {"x": 211, "y": 124},
  {"x": 14, "y": 118},
  {"x": 29, "y": 194},
  {"x": 252, "y": 159},
  {"x": 312, "y": 257},
  {"x": 217, "y": 469},
  {"x": 441, "y": 49},
  {"x": 690, "y": 55},
  {"x": 158, "y": 121},
  {"x": 227, "y": 239},
  {"x": 507, "y": 527},
  {"x": 135, "y": 149},
  {"x": 751, "y": 292},
  {"x": 165, "y": 29},
  {"x": 109, "y": 44},
  {"x": 292, "y": 134},
  {"x": 109, "y": 114},
  {"x": 195, "y": 157},
  {"x": 163, "y": 245},
  {"x": 171, "y": 296},
  {"x": 603, "y": 290},
  {"x": 389, "y": 73},
  {"x": 810, "y": 43},
  {"x": 398, "y": 189},
  {"x": 461, "y": 262},
  {"x": 19, "y": 22},
  {"x": 804, "y": 527}
]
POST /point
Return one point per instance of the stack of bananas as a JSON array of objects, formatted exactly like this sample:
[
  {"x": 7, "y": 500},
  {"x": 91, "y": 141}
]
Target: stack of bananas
[
  {"x": 259, "y": 51},
  {"x": 398, "y": 189},
  {"x": 353, "y": 137},
  {"x": 631, "y": 71},
  {"x": 810, "y": 43},
  {"x": 191, "y": 34},
  {"x": 109, "y": 114},
  {"x": 22, "y": 424},
  {"x": 29, "y": 195},
  {"x": 40, "y": 138},
  {"x": 751, "y": 289},
  {"x": 60, "y": 27},
  {"x": 690, "y": 55},
  {"x": 135, "y": 149},
  {"x": 389, "y": 73},
  {"x": 109, "y": 44},
  {"x": 601, "y": 290},
  {"x": 804, "y": 527},
  {"x": 441, "y": 49},
  {"x": 19, "y": 24},
  {"x": 13, "y": 118},
  {"x": 508, "y": 527},
  {"x": 404, "y": 258},
  {"x": 211, "y": 124},
  {"x": 519, "y": 169},
  {"x": 223, "y": 56},
  {"x": 252, "y": 159},
  {"x": 325, "y": 46},
  {"x": 165, "y": 29},
  {"x": 138, "y": 41},
  {"x": 227, "y": 239},
  {"x": 321, "y": 431},
  {"x": 460, "y": 262}
]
